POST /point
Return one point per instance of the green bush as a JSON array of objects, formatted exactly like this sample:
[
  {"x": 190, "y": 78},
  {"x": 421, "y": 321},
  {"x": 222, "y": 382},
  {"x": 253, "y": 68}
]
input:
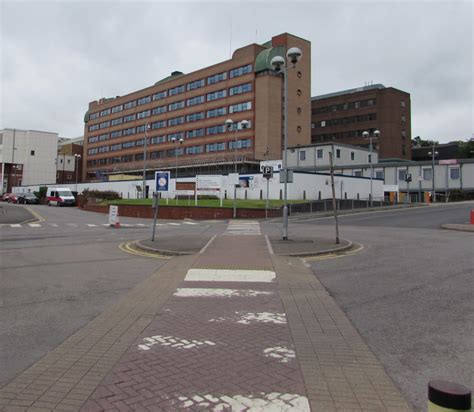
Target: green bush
[
  {"x": 99, "y": 195},
  {"x": 41, "y": 194}
]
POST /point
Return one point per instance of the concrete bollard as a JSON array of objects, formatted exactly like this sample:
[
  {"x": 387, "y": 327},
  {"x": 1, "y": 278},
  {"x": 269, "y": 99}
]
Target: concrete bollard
[
  {"x": 471, "y": 220},
  {"x": 444, "y": 396}
]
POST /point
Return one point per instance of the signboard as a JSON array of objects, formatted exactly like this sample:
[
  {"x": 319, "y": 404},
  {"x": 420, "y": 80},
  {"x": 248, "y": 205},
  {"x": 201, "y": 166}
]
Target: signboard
[
  {"x": 448, "y": 162},
  {"x": 162, "y": 181},
  {"x": 267, "y": 172},
  {"x": 208, "y": 182},
  {"x": 246, "y": 182},
  {"x": 276, "y": 165},
  {"x": 290, "y": 176},
  {"x": 113, "y": 215}
]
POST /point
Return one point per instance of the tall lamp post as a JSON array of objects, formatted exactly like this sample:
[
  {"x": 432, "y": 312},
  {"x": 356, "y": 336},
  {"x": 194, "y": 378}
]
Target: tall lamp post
[
  {"x": 278, "y": 63},
  {"x": 76, "y": 159},
  {"x": 367, "y": 135},
  {"x": 147, "y": 128},
  {"x": 433, "y": 154},
  {"x": 229, "y": 123},
  {"x": 180, "y": 141}
]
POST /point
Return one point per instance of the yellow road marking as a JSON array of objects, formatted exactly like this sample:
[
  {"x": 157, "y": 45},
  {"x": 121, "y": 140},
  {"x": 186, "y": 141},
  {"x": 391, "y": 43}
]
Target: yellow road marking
[{"x": 126, "y": 247}]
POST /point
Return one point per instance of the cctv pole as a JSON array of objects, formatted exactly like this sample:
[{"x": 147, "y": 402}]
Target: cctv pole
[
  {"x": 235, "y": 171},
  {"x": 144, "y": 163},
  {"x": 285, "y": 153},
  {"x": 433, "y": 169},
  {"x": 371, "y": 172}
]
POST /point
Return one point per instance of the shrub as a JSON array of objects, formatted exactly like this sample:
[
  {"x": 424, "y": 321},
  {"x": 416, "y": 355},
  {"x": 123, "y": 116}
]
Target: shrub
[
  {"x": 98, "y": 195},
  {"x": 41, "y": 194}
]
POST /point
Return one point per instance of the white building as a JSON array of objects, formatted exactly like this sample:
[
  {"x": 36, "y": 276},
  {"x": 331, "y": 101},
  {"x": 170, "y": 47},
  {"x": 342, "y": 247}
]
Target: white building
[
  {"x": 317, "y": 155},
  {"x": 27, "y": 157}
]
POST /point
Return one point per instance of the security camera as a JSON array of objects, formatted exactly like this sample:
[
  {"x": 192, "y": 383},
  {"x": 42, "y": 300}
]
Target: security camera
[
  {"x": 244, "y": 124},
  {"x": 294, "y": 55},
  {"x": 278, "y": 63},
  {"x": 365, "y": 134},
  {"x": 377, "y": 133},
  {"x": 229, "y": 123}
]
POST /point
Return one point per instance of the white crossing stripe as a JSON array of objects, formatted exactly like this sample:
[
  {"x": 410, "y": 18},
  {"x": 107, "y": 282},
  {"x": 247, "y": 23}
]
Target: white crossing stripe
[
  {"x": 227, "y": 275},
  {"x": 53, "y": 224},
  {"x": 91, "y": 225},
  {"x": 34, "y": 225},
  {"x": 141, "y": 224},
  {"x": 243, "y": 228},
  {"x": 16, "y": 225},
  {"x": 174, "y": 224},
  {"x": 189, "y": 223},
  {"x": 72, "y": 224}
]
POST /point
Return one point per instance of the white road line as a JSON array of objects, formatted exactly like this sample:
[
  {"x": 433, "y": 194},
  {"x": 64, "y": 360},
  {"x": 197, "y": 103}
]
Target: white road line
[
  {"x": 91, "y": 225},
  {"x": 72, "y": 224},
  {"x": 141, "y": 224},
  {"x": 34, "y": 225},
  {"x": 190, "y": 223},
  {"x": 174, "y": 224},
  {"x": 227, "y": 275},
  {"x": 16, "y": 225},
  {"x": 53, "y": 224}
]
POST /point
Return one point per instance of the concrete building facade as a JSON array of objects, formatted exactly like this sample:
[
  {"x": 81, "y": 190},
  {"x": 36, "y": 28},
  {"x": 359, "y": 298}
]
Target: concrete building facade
[
  {"x": 343, "y": 116},
  {"x": 187, "y": 112},
  {"x": 69, "y": 161},
  {"x": 27, "y": 157}
]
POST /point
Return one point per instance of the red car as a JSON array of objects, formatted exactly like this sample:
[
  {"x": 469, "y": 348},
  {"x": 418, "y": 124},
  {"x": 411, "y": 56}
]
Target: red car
[{"x": 9, "y": 197}]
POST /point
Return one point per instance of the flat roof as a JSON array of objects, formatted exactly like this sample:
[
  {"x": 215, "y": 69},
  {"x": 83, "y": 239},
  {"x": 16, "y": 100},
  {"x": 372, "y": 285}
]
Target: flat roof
[
  {"x": 349, "y": 146},
  {"x": 349, "y": 91}
]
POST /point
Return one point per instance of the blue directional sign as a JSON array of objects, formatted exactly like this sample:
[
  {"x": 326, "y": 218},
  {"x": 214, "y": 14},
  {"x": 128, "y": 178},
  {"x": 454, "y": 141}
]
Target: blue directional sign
[{"x": 162, "y": 180}]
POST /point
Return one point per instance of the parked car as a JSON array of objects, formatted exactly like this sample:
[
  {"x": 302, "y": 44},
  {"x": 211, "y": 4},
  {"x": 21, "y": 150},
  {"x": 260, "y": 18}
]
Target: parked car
[
  {"x": 28, "y": 199},
  {"x": 5, "y": 197},
  {"x": 11, "y": 198}
]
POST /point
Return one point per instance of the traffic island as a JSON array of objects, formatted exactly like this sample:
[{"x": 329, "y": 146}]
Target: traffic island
[
  {"x": 175, "y": 245},
  {"x": 464, "y": 227},
  {"x": 304, "y": 247}
]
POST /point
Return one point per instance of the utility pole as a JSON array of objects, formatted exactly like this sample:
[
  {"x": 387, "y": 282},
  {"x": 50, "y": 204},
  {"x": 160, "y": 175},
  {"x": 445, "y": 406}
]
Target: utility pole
[{"x": 334, "y": 206}]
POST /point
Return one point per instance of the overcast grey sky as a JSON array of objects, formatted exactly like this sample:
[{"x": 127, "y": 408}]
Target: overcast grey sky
[{"x": 57, "y": 56}]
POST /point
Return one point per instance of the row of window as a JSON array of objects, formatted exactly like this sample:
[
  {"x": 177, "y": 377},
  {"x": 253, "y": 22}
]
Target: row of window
[
  {"x": 345, "y": 120},
  {"x": 340, "y": 135},
  {"x": 427, "y": 173},
  {"x": 243, "y": 88},
  {"x": 320, "y": 154},
  {"x": 189, "y": 134},
  {"x": 345, "y": 106},
  {"x": 177, "y": 151},
  {"x": 175, "y": 121},
  {"x": 239, "y": 71}
]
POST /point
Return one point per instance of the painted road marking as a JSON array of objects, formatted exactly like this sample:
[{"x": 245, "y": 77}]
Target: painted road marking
[
  {"x": 227, "y": 275},
  {"x": 34, "y": 225},
  {"x": 16, "y": 225},
  {"x": 174, "y": 224},
  {"x": 217, "y": 293},
  {"x": 141, "y": 224},
  {"x": 91, "y": 225},
  {"x": 358, "y": 249},
  {"x": 127, "y": 247},
  {"x": 189, "y": 223},
  {"x": 243, "y": 228}
]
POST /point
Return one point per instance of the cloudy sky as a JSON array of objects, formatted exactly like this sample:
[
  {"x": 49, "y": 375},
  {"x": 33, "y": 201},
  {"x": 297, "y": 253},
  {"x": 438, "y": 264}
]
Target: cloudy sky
[{"x": 57, "y": 56}]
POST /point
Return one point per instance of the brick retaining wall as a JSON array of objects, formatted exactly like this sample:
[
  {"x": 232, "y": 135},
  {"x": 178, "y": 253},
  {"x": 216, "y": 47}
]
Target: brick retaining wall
[{"x": 183, "y": 212}]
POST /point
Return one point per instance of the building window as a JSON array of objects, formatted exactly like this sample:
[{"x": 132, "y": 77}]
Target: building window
[
  {"x": 68, "y": 176},
  {"x": 115, "y": 122},
  {"x": 93, "y": 139},
  {"x": 220, "y": 128},
  {"x": 175, "y": 121},
  {"x": 94, "y": 116},
  {"x": 93, "y": 127},
  {"x": 117, "y": 109},
  {"x": 195, "y": 85},
  {"x": 105, "y": 112},
  {"x": 194, "y": 149},
  {"x": 427, "y": 174},
  {"x": 216, "y": 95},
  {"x": 352, "y": 156},
  {"x": 128, "y": 132},
  {"x": 243, "y": 88},
  {"x": 175, "y": 136},
  {"x": 129, "y": 118},
  {"x": 103, "y": 125},
  {"x": 105, "y": 136},
  {"x": 118, "y": 133},
  {"x": 217, "y": 78},
  {"x": 358, "y": 173},
  {"x": 127, "y": 145},
  {"x": 312, "y": 125},
  {"x": 404, "y": 134},
  {"x": 215, "y": 147},
  {"x": 338, "y": 153},
  {"x": 32, "y": 153},
  {"x": 302, "y": 155},
  {"x": 239, "y": 71},
  {"x": 402, "y": 103},
  {"x": 402, "y": 174},
  {"x": 195, "y": 133},
  {"x": 404, "y": 119},
  {"x": 129, "y": 105},
  {"x": 176, "y": 90},
  {"x": 159, "y": 109},
  {"x": 194, "y": 117},
  {"x": 241, "y": 144},
  {"x": 144, "y": 114},
  {"x": 195, "y": 100},
  {"x": 158, "y": 125},
  {"x": 454, "y": 173},
  {"x": 141, "y": 128},
  {"x": 323, "y": 123},
  {"x": 220, "y": 111},
  {"x": 379, "y": 174},
  {"x": 103, "y": 149},
  {"x": 319, "y": 153},
  {"x": 176, "y": 105},
  {"x": 240, "y": 107},
  {"x": 160, "y": 95},
  {"x": 144, "y": 100}
]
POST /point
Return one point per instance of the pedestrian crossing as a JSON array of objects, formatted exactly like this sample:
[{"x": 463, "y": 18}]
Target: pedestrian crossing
[
  {"x": 97, "y": 225},
  {"x": 250, "y": 228}
]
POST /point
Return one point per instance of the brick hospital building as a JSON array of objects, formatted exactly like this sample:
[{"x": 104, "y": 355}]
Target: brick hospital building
[{"x": 187, "y": 113}]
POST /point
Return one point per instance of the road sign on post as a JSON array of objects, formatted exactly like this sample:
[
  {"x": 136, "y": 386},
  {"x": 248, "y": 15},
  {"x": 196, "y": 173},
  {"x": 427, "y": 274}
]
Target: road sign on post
[
  {"x": 162, "y": 181},
  {"x": 267, "y": 172},
  {"x": 284, "y": 174}
]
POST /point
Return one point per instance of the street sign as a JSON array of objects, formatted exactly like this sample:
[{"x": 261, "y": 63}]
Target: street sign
[
  {"x": 267, "y": 172},
  {"x": 408, "y": 178},
  {"x": 275, "y": 164},
  {"x": 233, "y": 179},
  {"x": 162, "y": 180},
  {"x": 290, "y": 176},
  {"x": 113, "y": 215}
]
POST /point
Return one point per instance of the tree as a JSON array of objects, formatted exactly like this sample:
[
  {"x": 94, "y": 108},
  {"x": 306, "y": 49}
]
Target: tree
[
  {"x": 419, "y": 142},
  {"x": 466, "y": 149}
]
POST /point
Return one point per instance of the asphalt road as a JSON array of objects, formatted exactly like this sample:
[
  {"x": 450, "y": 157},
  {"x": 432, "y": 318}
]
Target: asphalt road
[
  {"x": 410, "y": 292},
  {"x": 12, "y": 213},
  {"x": 58, "y": 274}
]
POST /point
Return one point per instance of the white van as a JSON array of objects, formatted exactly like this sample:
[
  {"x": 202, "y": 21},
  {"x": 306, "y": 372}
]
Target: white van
[{"x": 60, "y": 196}]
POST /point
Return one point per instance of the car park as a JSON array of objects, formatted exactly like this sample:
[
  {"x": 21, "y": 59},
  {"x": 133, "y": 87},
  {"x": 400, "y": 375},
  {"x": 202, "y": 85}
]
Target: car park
[{"x": 28, "y": 199}]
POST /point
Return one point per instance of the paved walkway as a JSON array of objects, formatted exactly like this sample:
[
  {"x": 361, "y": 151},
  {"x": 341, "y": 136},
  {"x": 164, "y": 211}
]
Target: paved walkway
[{"x": 232, "y": 328}]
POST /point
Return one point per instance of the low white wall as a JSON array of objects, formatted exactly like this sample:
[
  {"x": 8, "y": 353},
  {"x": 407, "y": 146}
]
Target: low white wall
[{"x": 309, "y": 186}]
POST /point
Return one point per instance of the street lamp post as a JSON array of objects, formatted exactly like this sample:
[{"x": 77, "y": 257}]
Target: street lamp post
[
  {"x": 76, "y": 159},
  {"x": 147, "y": 128},
  {"x": 433, "y": 153},
  {"x": 229, "y": 123},
  {"x": 278, "y": 63},
  {"x": 180, "y": 141},
  {"x": 367, "y": 135}
]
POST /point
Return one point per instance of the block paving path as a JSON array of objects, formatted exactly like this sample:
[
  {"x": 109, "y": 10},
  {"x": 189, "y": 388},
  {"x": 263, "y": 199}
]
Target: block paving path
[{"x": 232, "y": 328}]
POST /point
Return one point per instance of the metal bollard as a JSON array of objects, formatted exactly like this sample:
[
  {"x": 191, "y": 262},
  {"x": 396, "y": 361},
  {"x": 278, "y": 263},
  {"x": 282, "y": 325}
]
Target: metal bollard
[
  {"x": 471, "y": 220},
  {"x": 444, "y": 396}
]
